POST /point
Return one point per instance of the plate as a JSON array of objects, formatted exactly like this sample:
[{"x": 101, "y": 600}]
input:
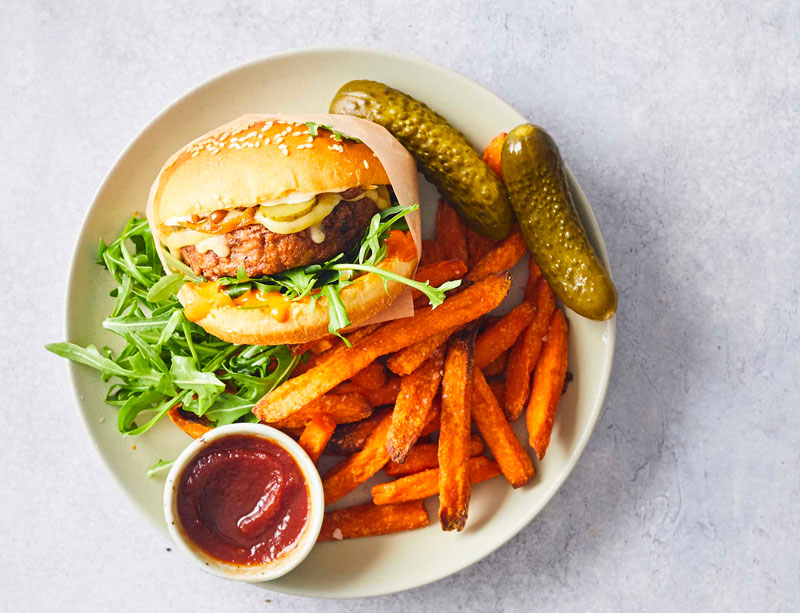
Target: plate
[{"x": 304, "y": 82}]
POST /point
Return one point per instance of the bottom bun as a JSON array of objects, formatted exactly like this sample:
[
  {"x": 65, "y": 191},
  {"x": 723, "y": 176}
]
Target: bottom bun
[{"x": 308, "y": 319}]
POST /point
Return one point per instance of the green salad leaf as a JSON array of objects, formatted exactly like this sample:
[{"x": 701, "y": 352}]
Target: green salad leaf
[
  {"x": 313, "y": 128},
  {"x": 166, "y": 360},
  {"x": 158, "y": 467}
]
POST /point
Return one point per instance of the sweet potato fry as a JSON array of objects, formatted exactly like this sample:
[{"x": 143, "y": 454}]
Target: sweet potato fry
[
  {"x": 434, "y": 424},
  {"x": 458, "y": 309},
  {"x": 548, "y": 381},
  {"x": 500, "y": 438},
  {"x": 372, "y": 377},
  {"x": 456, "y": 421},
  {"x": 438, "y": 273},
  {"x": 358, "y": 468},
  {"x": 498, "y": 389},
  {"x": 424, "y": 484},
  {"x": 534, "y": 274},
  {"x": 407, "y": 360},
  {"x": 350, "y": 438},
  {"x": 316, "y": 435},
  {"x": 384, "y": 395},
  {"x": 413, "y": 405},
  {"x": 497, "y": 339},
  {"x": 315, "y": 347},
  {"x": 342, "y": 408},
  {"x": 492, "y": 154},
  {"x": 372, "y": 520},
  {"x": 431, "y": 253},
  {"x": 526, "y": 351},
  {"x": 479, "y": 245},
  {"x": 426, "y": 455},
  {"x": 497, "y": 366},
  {"x": 377, "y": 397},
  {"x": 189, "y": 422},
  {"x": 451, "y": 233},
  {"x": 337, "y": 349},
  {"x": 505, "y": 254}
]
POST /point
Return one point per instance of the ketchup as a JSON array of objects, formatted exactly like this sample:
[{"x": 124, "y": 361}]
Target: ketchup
[{"x": 243, "y": 500}]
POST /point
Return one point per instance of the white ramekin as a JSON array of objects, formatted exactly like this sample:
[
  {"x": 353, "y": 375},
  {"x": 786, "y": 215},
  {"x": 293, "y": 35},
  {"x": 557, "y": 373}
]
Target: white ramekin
[{"x": 259, "y": 572}]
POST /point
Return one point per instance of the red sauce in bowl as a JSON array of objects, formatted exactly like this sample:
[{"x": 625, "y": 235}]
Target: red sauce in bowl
[{"x": 243, "y": 500}]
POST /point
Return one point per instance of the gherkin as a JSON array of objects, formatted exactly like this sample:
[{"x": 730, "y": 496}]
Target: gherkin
[
  {"x": 537, "y": 187},
  {"x": 447, "y": 158}
]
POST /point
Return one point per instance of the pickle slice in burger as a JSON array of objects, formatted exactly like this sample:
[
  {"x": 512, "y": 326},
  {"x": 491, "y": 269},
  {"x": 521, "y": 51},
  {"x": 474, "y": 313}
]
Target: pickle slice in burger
[{"x": 288, "y": 211}]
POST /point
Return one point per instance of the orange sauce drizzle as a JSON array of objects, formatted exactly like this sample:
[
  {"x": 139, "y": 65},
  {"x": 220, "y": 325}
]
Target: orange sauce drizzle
[
  {"x": 218, "y": 223},
  {"x": 204, "y": 297},
  {"x": 274, "y": 302}
]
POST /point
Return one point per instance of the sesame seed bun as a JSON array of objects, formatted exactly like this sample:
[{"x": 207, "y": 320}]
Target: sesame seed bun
[{"x": 250, "y": 162}]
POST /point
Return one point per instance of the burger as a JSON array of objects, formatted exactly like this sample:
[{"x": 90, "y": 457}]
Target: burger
[{"x": 288, "y": 228}]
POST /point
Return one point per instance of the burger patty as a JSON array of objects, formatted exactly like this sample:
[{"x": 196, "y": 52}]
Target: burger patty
[{"x": 262, "y": 252}]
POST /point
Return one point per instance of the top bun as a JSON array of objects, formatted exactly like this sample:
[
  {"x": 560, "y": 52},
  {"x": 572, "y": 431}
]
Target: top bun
[{"x": 250, "y": 162}]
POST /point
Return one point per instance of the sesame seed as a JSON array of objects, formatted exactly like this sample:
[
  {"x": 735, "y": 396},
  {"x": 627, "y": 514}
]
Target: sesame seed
[
  {"x": 266, "y": 141},
  {"x": 366, "y": 164},
  {"x": 306, "y": 146},
  {"x": 310, "y": 139}
]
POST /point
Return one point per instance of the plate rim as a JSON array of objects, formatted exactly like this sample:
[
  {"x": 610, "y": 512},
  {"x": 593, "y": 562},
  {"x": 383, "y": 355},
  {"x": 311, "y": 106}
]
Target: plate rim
[{"x": 587, "y": 216}]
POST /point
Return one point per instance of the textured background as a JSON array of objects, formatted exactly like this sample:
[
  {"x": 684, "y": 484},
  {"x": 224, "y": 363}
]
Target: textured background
[{"x": 681, "y": 124}]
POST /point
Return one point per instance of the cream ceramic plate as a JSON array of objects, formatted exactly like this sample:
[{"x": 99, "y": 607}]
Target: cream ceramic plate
[{"x": 304, "y": 82}]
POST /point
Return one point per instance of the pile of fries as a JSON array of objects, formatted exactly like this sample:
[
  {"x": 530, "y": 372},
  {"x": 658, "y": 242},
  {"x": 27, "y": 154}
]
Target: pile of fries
[{"x": 405, "y": 395}]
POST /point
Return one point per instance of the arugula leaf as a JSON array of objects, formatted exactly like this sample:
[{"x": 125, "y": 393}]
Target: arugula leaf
[
  {"x": 338, "y": 313},
  {"x": 313, "y": 128},
  {"x": 158, "y": 467},
  {"x": 165, "y": 287},
  {"x": 89, "y": 356},
  {"x": 167, "y": 360},
  {"x": 168, "y": 330},
  {"x": 229, "y": 408},
  {"x": 204, "y": 384},
  {"x": 237, "y": 289}
]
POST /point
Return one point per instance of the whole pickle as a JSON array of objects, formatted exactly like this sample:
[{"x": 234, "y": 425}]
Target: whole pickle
[
  {"x": 447, "y": 158},
  {"x": 537, "y": 187}
]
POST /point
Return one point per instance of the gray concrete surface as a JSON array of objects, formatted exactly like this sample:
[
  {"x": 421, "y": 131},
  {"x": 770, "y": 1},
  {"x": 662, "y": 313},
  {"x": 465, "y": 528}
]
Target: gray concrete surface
[{"x": 681, "y": 123}]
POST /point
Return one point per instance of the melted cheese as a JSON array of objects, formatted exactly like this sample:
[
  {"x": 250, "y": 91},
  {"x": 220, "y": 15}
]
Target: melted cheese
[
  {"x": 317, "y": 233},
  {"x": 217, "y": 244}
]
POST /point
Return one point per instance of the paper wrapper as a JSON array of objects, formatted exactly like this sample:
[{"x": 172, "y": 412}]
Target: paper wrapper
[{"x": 398, "y": 163}]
